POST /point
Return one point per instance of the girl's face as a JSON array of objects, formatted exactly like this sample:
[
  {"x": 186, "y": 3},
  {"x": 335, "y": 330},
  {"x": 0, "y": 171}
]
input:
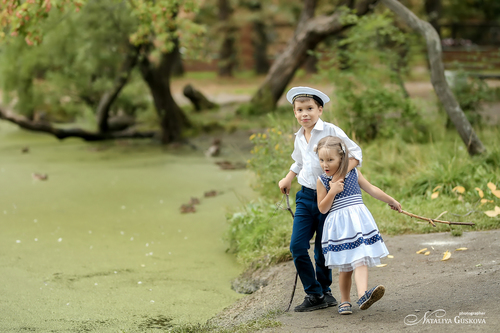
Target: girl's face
[{"x": 329, "y": 159}]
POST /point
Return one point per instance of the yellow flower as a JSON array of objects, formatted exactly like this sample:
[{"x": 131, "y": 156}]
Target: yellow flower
[
  {"x": 277, "y": 146},
  {"x": 252, "y": 137},
  {"x": 264, "y": 136}
]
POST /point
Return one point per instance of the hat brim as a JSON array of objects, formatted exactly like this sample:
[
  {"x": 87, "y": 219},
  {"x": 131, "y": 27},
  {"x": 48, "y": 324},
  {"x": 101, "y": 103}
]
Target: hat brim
[{"x": 306, "y": 91}]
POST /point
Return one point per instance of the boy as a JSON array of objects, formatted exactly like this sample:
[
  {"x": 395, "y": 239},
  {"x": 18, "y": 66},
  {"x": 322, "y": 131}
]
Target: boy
[{"x": 308, "y": 107}]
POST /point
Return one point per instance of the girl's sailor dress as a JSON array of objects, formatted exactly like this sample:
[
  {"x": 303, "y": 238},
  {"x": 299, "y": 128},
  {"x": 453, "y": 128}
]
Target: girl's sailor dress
[{"x": 350, "y": 234}]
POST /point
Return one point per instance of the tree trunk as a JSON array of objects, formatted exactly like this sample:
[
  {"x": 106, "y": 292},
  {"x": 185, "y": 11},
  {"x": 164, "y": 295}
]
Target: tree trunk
[
  {"x": 199, "y": 100},
  {"x": 259, "y": 41},
  {"x": 309, "y": 32},
  {"x": 259, "y": 37},
  {"x": 25, "y": 103},
  {"x": 443, "y": 91},
  {"x": 311, "y": 63},
  {"x": 178, "y": 67},
  {"x": 109, "y": 97},
  {"x": 433, "y": 8},
  {"x": 227, "y": 59},
  {"x": 172, "y": 118}
]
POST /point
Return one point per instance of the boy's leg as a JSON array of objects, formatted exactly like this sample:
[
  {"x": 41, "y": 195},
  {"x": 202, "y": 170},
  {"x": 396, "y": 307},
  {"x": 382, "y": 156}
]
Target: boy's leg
[
  {"x": 323, "y": 273},
  {"x": 304, "y": 226}
]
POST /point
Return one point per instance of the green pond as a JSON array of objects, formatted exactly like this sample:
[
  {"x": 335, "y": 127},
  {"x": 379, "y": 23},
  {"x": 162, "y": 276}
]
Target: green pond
[{"x": 101, "y": 245}]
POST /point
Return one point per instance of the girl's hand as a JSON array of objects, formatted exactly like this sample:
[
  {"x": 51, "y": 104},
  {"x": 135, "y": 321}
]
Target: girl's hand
[
  {"x": 337, "y": 186},
  {"x": 395, "y": 205}
]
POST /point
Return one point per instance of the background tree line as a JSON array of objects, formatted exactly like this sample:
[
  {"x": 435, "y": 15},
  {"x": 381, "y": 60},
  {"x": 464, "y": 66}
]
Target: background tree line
[{"x": 62, "y": 60}]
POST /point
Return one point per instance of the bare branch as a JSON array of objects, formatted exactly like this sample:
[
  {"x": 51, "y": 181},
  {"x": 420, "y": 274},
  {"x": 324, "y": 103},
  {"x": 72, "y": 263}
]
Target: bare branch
[
  {"x": 431, "y": 221},
  {"x": 62, "y": 133},
  {"x": 121, "y": 79}
]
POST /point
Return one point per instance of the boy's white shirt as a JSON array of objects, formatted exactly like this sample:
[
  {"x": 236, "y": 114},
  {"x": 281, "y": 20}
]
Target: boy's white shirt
[{"x": 306, "y": 164}]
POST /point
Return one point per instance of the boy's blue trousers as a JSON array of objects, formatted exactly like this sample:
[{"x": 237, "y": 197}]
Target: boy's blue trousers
[{"x": 308, "y": 220}]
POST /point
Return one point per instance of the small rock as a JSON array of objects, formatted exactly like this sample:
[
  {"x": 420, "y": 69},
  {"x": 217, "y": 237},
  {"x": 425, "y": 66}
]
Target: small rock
[
  {"x": 39, "y": 176},
  {"x": 188, "y": 209}
]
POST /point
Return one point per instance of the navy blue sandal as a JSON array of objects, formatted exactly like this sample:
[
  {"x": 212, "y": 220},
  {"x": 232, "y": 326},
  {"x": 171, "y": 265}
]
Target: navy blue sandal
[
  {"x": 370, "y": 297},
  {"x": 345, "y": 310}
]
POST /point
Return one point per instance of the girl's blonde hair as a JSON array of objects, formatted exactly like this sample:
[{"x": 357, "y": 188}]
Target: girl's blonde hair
[{"x": 335, "y": 143}]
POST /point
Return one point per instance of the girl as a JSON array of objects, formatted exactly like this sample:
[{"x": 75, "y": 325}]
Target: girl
[{"x": 351, "y": 240}]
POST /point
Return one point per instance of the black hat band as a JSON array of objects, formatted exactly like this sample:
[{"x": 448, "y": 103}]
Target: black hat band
[{"x": 316, "y": 98}]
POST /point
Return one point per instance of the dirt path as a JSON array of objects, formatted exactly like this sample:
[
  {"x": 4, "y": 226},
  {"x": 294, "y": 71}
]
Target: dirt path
[{"x": 417, "y": 286}]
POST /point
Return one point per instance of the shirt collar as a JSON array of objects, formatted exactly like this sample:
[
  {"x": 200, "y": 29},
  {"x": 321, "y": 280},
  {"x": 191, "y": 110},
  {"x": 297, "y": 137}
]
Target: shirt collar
[{"x": 320, "y": 124}]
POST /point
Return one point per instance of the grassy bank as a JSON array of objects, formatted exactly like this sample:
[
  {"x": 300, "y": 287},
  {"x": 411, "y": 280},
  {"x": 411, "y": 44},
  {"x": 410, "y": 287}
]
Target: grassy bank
[{"x": 426, "y": 176}]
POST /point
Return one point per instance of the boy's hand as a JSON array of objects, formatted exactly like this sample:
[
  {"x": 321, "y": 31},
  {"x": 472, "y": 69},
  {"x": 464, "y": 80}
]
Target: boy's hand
[
  {"x": 395, "y": 205},
  {"x": 285, "y": 185},
  {"x": 336, "y": 178},
  {"x": 336, "y": 186}
]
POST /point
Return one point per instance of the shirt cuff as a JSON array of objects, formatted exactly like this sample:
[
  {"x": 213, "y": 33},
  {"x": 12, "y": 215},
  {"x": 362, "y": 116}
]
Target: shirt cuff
[{"x": 295, "y": 168}]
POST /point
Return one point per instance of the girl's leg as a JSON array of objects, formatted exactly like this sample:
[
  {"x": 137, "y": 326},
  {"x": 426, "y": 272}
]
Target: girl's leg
[
  {"x": 366, "y": 299},
  {"x": 361, "y": 278},
  {"x": 345, "y": 282}
]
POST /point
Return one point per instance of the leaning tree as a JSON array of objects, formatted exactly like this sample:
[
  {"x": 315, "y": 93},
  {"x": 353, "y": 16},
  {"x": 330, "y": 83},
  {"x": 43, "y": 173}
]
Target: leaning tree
[
  {"x": 160, "y": 26},
  {"x": 310, "y": 31},
  {"x": 443, "y": 91}
]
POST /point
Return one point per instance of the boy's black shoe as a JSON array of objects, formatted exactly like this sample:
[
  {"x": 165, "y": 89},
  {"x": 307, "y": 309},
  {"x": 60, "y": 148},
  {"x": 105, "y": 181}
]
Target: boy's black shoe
[
  {"x": 311, "y": 303},
  {"x": 330, "y": 300}
]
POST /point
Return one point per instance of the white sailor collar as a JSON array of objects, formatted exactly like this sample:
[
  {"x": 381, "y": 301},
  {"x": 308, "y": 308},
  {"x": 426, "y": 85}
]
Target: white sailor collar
[{"x": 320, "y": 124}]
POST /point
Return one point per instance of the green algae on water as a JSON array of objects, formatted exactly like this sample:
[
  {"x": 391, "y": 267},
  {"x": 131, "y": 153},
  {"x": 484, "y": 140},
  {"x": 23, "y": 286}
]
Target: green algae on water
[{"x": 101, "y": 244}]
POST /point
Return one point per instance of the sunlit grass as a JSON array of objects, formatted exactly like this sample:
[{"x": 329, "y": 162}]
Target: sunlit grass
[
  {"x": 266, "y": 321},
  {"x": 410, "y": 172}
]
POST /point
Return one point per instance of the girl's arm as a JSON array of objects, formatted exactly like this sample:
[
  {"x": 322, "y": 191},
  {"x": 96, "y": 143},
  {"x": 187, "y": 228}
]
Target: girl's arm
[
  {"x": 325, "y": 199},
  {"x": 377, "y": 193}
]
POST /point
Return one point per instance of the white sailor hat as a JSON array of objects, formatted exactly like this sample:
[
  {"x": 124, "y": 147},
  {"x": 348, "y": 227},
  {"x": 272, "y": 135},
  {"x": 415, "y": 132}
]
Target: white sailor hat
[{"x": 315, "y": 94}]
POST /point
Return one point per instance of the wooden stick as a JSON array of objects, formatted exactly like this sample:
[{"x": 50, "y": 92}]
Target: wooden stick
[
  {"x": 288, "y": 208},
  {"x": 431, "y": 221}
]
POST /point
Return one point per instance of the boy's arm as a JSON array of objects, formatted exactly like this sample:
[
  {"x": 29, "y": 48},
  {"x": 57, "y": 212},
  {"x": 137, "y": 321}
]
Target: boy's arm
[
  {"x": 354, "y": 150},
  {"x": 377, "y": 193},
  {"x": 286, "y": 183},
  {"x": 352, "y": 164}
]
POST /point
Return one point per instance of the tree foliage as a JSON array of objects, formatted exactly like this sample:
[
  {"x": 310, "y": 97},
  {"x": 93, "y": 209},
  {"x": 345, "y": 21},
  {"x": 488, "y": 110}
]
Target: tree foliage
[
  {"x": 368, "y": 85},
  {"x": 89, "y": 51},
  {"x": 76, "y": 62}
]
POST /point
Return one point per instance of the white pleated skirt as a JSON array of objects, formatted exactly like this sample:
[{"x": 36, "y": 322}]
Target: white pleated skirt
[{"x": 351, "y": 239}]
